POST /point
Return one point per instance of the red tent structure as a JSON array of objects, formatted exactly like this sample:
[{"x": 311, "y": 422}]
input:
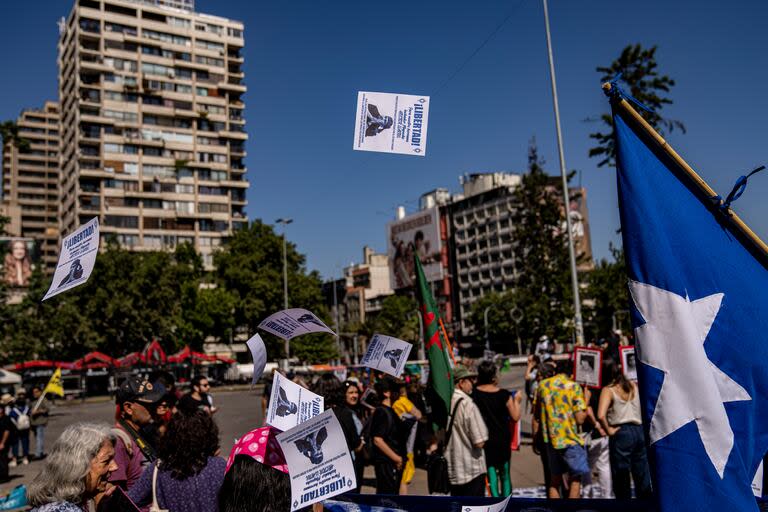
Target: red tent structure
[
  {"x": 27, "y": 365},
  {"x": 196, "y": 357},
  {"x": 131, "y": 359},
  {"x": 95, "y": 360},
  {"x": 154, "y": 354}
]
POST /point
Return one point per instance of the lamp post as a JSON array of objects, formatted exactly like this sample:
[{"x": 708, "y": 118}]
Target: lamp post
[
  {"x": 285, "y": 221},
  {"x": 579, "y": 328}
]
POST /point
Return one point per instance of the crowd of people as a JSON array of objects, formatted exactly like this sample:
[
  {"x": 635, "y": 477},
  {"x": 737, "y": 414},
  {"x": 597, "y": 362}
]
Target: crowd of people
[
  {"x": 590, "y": 441},
  {"x": 162, "y": 453}
]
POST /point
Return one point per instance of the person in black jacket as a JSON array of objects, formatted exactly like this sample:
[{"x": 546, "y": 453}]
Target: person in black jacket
[{"x": 346, "y": 410}]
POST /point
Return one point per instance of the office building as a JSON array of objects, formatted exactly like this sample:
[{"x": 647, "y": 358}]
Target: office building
[
  {"x": 466, "y": 243},
  {"x": 31, "y": 180},
  {"x": 153, "y": 133}
]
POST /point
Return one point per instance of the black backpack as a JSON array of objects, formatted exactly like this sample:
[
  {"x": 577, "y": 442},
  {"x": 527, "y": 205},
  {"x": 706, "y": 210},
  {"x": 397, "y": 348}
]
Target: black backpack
[{"x": 401, "y": 431}]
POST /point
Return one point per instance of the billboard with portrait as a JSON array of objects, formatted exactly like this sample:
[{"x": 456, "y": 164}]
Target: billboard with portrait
[
  {"x": 418, "y": 233},
  {"x": 20, "y": 256}
]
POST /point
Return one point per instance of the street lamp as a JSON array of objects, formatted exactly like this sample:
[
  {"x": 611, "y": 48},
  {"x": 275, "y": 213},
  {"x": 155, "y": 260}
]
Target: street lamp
[
  {"x": 579, "y": 328},
  {"x": 285, "y": 221}
]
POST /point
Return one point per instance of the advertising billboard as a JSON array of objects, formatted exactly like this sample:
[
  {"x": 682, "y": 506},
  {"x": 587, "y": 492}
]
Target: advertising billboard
[
  {"x": 20, "y": 256},
  {"x": 418, "y": 233}
]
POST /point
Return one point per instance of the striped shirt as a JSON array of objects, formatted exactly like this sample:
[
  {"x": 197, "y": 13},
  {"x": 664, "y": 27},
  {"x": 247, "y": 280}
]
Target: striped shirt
[{"x": 465, "y": 462}]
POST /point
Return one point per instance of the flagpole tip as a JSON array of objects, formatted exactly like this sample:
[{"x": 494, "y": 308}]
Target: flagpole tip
[{"x": 606, "y": 87}]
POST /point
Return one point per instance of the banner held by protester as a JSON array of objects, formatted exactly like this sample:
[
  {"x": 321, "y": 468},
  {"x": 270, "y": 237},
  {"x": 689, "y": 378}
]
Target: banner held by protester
[
  {"x": 319, "y": 463},
  {"x": 291, "y": 404}
]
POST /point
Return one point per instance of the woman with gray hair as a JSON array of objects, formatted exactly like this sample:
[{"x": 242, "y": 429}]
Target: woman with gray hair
[{"x": 76, "y": 471}]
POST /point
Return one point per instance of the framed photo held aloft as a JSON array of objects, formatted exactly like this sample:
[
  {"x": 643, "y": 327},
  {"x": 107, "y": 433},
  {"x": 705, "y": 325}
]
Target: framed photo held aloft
[
  {"x": 628, "y": 361},
  {"x": 588, "y": 366}
]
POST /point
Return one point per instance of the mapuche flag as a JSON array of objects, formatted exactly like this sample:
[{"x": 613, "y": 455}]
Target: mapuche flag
[
  {"x": 440, "y": 372},
  {"x": 699, "y": 289}
]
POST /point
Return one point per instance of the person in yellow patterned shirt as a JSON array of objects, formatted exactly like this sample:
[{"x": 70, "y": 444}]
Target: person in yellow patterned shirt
[{"x": 559, "y": 409}]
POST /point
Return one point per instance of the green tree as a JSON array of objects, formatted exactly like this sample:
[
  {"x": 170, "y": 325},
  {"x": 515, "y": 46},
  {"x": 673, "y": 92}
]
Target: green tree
[
  {"x": 250, "y": 268},
  {"x": 501, "y": 328},
  {"x": 638, "y": 68},
  {"x": 542, "y": 289},
  {"x": 9, "y": 134},
  {"x": 398, "y": 318},
  {"x": 607, "y": 287}
]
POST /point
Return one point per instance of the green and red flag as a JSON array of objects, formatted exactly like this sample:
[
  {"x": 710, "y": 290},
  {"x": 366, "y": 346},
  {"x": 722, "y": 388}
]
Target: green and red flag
[{"x": 440, "y": 369}]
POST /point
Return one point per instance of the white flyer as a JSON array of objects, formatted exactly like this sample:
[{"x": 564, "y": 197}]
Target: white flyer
[
  {"x": 259, "y": 354},
  {"x": 387, "y": 354},
  {"x": 757, "y": 482},
  {"x": 319, "y": 463},
  {"x": 391, "y": 123},
  {"x": 291, "y": 404},
  {"x": 498, "y": 507},
  {"x": 289, "y": 323},
  {"x": 76, "y": 258}
]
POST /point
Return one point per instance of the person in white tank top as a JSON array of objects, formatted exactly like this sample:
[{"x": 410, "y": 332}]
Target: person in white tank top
[{"x": 619, "y": 413}]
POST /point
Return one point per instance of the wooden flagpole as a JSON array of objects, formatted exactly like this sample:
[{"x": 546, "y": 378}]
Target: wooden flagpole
[
  {"x": 702, "y": 185},
  {"x": 447, "y": 341}
]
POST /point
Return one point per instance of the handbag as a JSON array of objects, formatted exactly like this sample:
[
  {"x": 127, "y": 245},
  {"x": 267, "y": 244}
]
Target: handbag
[
  {"x": 438, "y": 481},
  {"x": 155, "y": 507}
]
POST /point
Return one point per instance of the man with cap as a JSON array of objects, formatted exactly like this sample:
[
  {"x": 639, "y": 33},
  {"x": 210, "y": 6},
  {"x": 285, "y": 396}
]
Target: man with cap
[
  {"x": 465, "y": 438},
  {"x": 136, "y": 401}
]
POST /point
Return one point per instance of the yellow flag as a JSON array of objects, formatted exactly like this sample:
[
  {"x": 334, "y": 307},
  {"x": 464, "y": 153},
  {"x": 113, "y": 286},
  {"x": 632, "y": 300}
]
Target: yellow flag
[{"x": 54, "y": 385}]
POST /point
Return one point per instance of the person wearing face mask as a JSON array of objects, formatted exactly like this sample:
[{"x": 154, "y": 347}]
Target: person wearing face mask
[
  {"x": 466, "y": 436},
  {"x": 136, "y": 402},
  {"x": 76, "y": 473}
]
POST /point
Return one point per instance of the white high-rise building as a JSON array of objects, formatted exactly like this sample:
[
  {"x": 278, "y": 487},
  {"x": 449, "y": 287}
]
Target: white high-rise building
[{"x": 152, "y": 127}]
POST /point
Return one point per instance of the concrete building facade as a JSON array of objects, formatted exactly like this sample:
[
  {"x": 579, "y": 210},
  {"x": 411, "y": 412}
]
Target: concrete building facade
[
  {"x": 31, "y": 179},
  {"x": 152, "y": 126},
  {"x": 478, "y": 233}
]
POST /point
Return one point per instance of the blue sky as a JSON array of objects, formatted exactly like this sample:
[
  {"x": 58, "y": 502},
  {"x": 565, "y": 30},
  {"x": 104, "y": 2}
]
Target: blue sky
[{"x": 306, "y": 60}]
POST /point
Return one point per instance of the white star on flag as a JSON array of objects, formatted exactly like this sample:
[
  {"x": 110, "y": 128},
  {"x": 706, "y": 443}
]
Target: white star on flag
[{"x": 694, "y": 389}]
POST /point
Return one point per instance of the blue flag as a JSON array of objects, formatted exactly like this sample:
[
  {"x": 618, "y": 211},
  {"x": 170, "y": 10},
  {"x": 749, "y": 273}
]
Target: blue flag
[{"x": 699, "y": 293}]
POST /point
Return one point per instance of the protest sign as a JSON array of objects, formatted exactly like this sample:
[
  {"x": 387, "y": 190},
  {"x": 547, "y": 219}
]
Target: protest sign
[
  {"x": 391, "y": 123},
  {"x": 628, "y": 362},
  {"x": 76, "y": 258},
  {"x": 289, "y": 323},
  {"x": 319, "y": 463},
  {"x": 259, "y": 354},
  {"x": 498, "y": 507},
  {"x": 291, "y": 404},
  {"x": 588, "y": 366},
  {"x": 387, "y": 354}
]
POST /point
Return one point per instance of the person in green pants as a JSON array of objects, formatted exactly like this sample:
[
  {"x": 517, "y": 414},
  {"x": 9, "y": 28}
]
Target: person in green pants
[{"x": 498, "y": 408}]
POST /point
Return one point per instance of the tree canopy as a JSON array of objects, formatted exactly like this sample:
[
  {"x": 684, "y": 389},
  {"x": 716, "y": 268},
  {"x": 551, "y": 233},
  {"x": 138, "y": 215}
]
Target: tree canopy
[
  {"x": 134, "y": 297},
  {"x": 639, "y": 71}
]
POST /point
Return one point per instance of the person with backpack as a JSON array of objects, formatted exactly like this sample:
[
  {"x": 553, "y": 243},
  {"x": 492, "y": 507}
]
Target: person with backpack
[
  {"x": 466, "y": 437},
  {"x": 384, "y": 433},
  {"x": 19, "y": 416}
]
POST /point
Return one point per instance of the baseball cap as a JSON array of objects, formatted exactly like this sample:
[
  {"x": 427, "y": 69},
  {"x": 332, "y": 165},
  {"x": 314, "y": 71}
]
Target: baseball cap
[
  {"x": 462, "y": 372},
  {"x": 135, "y": 389}
]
